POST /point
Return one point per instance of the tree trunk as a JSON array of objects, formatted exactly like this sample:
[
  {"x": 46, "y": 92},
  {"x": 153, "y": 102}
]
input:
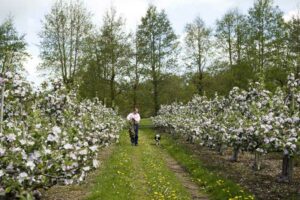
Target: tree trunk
[
  {"x": 238, "y": 45},
  {"x": 220, "y": 149},
  {"x": 6, "y": 64},
  {"x": 65, "y": 58},
  {"x": 257, "y": 161},
  {"x": 155, "y": 97},
  {"x": 112, "y": 92},
  {"x": 136, "y": 82},
  {"x": 2, "y": 108},
  {"x": 112, "y": 86},
  {"x": 287, "y": 169},
  {"x": 298, "y": 65},
  {"x": 71, "y": 45},
  {"x": 58, "y": 38},
  {"x": 235, "y": 154},
  {"x": 172, "y": 131},
  {"x": 134, "y": 96},
  {"x": 200, "y": 88},
  {"x": 296, "y": 41},
  {"x": 230, "y": 48},
  {"x": 105, "y": 101},
  {"x": 76, "y": 48},
  {"x": 262, "y": 45},
  {"x": 154, "y": 76},
  {"x": 200, "y": 63}
]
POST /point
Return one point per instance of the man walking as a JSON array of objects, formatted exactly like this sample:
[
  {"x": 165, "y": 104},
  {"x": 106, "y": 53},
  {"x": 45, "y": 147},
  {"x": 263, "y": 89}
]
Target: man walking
[{"x": 135, "y": 118}]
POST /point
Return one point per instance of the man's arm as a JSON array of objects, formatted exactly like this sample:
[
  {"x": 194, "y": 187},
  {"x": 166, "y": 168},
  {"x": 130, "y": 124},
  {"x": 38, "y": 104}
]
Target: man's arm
[
  {"x": 129, "y": 116},
  {"x": 138, "y": 118}
]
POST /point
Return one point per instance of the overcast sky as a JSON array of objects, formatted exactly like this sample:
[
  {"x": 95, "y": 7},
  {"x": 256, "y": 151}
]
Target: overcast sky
[{"x": 29, "y": 13}]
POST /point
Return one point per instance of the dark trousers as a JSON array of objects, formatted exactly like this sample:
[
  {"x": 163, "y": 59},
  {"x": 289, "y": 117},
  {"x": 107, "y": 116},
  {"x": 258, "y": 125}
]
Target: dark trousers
[
  {"x": 132, "y": 140},
  {"x": 136, "y": 135}
]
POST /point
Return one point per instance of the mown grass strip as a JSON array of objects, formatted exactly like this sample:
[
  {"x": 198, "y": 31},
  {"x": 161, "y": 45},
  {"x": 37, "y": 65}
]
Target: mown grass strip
[
  {"x": 137, "y": 173},
  {"x": 217, "y": 187},
  {"x": 163, "y": 183}
]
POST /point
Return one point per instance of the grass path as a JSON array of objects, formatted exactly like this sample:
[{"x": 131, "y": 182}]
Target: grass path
[
  {"x": 140, "y": 173},
  {"x": 218, "y": 187}
]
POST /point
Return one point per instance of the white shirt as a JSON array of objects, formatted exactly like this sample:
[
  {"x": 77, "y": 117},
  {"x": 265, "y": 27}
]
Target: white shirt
[{"x": 135, "y": 116}]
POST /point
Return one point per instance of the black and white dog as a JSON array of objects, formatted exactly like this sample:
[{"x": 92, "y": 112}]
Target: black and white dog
[{"x": 157, "y": 139}]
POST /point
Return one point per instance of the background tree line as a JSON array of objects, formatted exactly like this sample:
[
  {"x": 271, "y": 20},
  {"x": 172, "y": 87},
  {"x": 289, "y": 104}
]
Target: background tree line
[{"x": 150, "y": 66}]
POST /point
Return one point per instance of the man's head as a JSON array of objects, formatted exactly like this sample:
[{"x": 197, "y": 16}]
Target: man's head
[{"x": 135, "y": 110}]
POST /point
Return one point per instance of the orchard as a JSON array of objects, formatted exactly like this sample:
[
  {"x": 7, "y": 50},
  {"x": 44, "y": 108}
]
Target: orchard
[
  {"x": 185, "y": 100},
  {"x": 254, "y": 120}
]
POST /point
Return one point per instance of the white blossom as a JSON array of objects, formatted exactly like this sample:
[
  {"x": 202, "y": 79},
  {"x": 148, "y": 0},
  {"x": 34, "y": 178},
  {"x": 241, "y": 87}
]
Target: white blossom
[
  {"x": 93, "y": 148},
  {"x": 11, "y": 137},
  {"x": 96, "y": 163},
  {"x": 68, "y": 146},
  {"x": 52, "y": 138},
  {"x": 83, "y": 152},
  {"x": 30, "y": 164},
  {"x": 2, "y": 151},
  {"x": 56, "y": 130},
  {"x": 22, "y": 176}
]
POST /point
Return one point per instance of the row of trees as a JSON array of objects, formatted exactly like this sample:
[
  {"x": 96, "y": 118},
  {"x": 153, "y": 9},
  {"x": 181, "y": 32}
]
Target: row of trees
[
  {"x": 255, "y": 120},
  {"x": 124, "y": 69},
  {"x": 47, "y": 136}
]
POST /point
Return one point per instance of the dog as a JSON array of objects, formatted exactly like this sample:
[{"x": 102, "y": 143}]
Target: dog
[{"x": 157, "y": 139}]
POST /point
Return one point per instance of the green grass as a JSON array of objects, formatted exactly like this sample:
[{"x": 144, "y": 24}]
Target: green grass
[
  {"x": 141, "y": 173},
  {"x": 217, "y": 187},
  {"x": 114, "y": 181},
  {"x": 137, "y": 173},
  {"x": 146, "y": 123}
]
